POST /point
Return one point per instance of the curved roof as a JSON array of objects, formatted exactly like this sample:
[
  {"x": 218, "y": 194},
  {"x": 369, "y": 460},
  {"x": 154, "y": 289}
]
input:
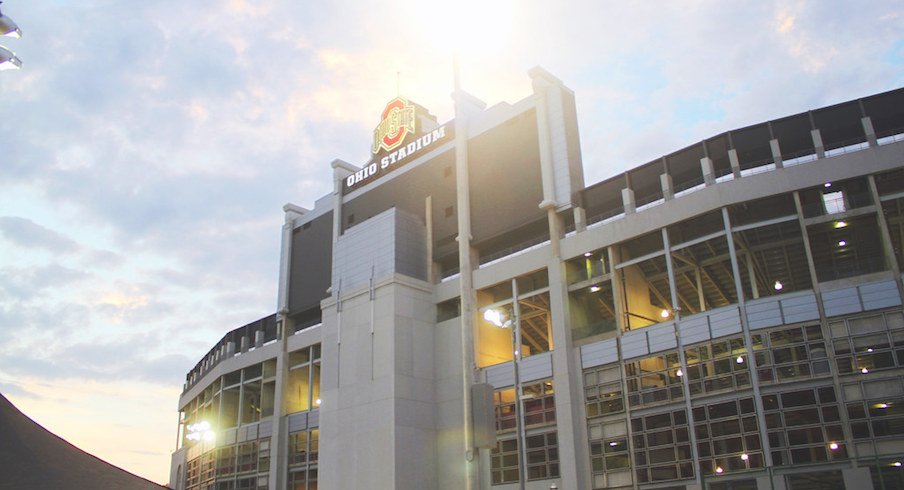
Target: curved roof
[{"x": 32, "y": 457}]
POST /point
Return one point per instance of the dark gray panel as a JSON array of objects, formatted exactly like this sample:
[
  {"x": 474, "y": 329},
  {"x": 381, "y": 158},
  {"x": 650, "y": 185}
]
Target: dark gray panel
[{"x": 310, "y": 264}]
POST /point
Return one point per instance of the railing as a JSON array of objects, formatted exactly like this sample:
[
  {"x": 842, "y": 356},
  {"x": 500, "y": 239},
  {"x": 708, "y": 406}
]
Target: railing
[
  {"x": 885, "y": 140},
  {"x": 848, "y": 146},
  {"x": 518, "y": 249}
]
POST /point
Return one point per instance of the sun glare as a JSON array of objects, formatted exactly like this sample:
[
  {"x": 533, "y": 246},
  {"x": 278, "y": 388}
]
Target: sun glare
[{"x": 471, "y": 28}]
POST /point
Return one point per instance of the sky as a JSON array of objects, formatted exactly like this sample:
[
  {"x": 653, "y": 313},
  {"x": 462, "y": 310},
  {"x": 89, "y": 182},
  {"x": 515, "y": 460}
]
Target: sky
[{"x": 147, "y": 148}]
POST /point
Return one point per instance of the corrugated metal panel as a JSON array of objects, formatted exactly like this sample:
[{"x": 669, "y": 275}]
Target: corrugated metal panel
[
  {"x": 694, "y": 329},
  {"x": 229, "y": 436},
  {"x": 764, "y": 313},
  {"x": 800, "y": 309},
  {"x": 725, "y": 321},
  {"x": 500, "y": 375},
  {"x": 662, "y": 337},
  {"x": 266, "y": 429},
  {"x": 634, "y": 344},
  {"x": 599, "y": 353},
  {"x": 841, "y": 302},
  {"x": 880, "y": 295},
  {"x": 536, "y": 367},
  {"x": 298, "y": 421}
]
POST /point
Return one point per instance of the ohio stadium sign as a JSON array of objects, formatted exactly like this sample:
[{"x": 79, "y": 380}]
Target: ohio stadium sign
[{"x": 398, "y": 138}]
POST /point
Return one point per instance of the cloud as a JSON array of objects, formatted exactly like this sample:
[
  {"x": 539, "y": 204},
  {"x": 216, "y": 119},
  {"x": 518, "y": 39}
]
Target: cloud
[{"x": 28, "y": 234}]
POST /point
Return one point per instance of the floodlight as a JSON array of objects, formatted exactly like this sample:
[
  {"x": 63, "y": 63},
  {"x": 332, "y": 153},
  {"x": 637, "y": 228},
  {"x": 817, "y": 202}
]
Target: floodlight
[{"x": 8, "y": 60}]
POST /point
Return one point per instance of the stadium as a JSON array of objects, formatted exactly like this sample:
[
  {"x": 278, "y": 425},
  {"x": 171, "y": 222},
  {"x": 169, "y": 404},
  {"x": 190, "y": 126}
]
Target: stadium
[{"x": 463, "y": 312}]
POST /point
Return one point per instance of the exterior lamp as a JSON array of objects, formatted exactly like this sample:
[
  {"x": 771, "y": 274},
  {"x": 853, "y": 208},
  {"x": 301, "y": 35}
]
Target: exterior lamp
[
  {"x": 8, "y": 60},
  {"x": 834, "y": 446},
  {"x": 778, "y": 285},
  {"x": 744, "y": 457},
  {"x": 664, "y": 313},
  {"x": 8, "y": 27},
  {"x": 740, "y": 360}
]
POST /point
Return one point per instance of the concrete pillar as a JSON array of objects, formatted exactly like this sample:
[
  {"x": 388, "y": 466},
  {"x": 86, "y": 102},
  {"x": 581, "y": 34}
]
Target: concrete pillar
[
  {"x": 341, "y": 170},
  {"x": 541, "y": 85},
  {"x": 668, "y": 187},
  {"x": 580, "y": 219},
  {"x": 258, "y": 338},
  {"x": 870, "y": 132},
  {"x": 776, "y": 152},
  {"x": 858, "y": 478},
  {"x": 246, "y": 342},
  {"x": 230, "y": 349},
  {"x": 627, "y": 196},
  {"x": 735, "y": 163},
  {"x": 709, "y": 175},
  {"x": 772, "y": 482},
  {"x": 817, "y": 143}
]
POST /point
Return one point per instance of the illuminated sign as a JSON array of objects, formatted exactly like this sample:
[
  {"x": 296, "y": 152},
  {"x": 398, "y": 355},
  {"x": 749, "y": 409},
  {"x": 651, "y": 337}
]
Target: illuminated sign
[
  {"x": 398, "y": 139},
  {"x": 398, "y": 121}
]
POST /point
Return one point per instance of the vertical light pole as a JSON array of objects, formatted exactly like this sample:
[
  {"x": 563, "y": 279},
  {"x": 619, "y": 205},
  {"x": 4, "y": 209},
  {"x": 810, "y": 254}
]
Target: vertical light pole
[
  {"x": 519, "y": 396},
  {"x": 463, "y": 204}
]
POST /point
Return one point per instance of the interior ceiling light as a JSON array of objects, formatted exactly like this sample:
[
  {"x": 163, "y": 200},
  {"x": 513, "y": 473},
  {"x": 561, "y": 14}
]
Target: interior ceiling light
[
  {"x": 588, "y": 254},
  {"x": 594, "y": 289},
  {"x": 664, "y": 313},
  {"x": 840, "y": 224},
  {"x": 827, "y": 185},
  {"x": 842, "y": 243},
  {"x": 778, "y": 285},
  {"x": 8, "y": 60}
]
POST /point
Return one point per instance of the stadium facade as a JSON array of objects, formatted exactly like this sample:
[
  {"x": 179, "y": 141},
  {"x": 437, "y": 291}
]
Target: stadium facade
[{"x": 728, "y": 316}]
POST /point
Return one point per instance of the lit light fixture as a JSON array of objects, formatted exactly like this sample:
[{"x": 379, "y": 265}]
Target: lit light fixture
[
  {"x": 613, "y": 444},
  {"x": 834, "y": 446},
  {"x": 497, "y": 318},
  {"x": 896, "y": 464},
  {"x": 881, "y": 405},
  {"x": 199, "y": 431},
  {"x": 594, "y": 289},
  {"x": 8, "y": 60},
  {"x": 719, "y": 470},
  {"x": 842, "y": 243},
  {"x": 8, "y": 27},
  {"x": 744, "y": 457},
  {"x": 588, "y": 254},
  {"x": 317, "y": 402},
  {"x": 827, "y": 185},
  {"x": 840, "y": 224},
  {"x": 864, "y": 370},
  {"x": 778, "y": 285},
  {"x": 679, "y": 373},
  {"x": 869, "y": 349},
  {"x": 740, "y": 360},
  {"x": 664, "y": 313}
]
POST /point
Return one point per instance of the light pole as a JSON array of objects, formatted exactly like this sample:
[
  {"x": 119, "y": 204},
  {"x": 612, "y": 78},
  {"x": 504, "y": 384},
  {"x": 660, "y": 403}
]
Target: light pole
[
  {"x": 8, "y": 59},
  {"x": 502, "y": 320}
]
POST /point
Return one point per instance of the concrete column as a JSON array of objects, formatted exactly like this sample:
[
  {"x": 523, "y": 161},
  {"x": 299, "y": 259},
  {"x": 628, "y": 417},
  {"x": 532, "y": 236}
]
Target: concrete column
[
  {"x": 817, "y": 143},
  {"x": 772, "y": 482},
  {"x": 541, "y": 85},
  {"x": 465, "y": 105},
  {"x": 709, "y": 175},
  {"x": 858, "y": 478},
  {"x": 574, "y": 460},
  {"x": 628, "y": 200},
  {"x": 245, "y": 343},
  {"x": 870, "y": 132},
  {"x": 230, "y": 349},
  {"x": 776, "y": 152},
  {"x": 341, "y": 170},
  {"x": 668, "y": 187},
  {"x": 735, "y": 163},
  {"x": 258, "y": 338},
  {"x": 580, "y": 219}
]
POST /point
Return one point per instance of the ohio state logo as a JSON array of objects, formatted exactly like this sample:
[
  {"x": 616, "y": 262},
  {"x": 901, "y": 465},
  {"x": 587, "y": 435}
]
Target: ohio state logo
[{"x": 397, "y": 123}]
